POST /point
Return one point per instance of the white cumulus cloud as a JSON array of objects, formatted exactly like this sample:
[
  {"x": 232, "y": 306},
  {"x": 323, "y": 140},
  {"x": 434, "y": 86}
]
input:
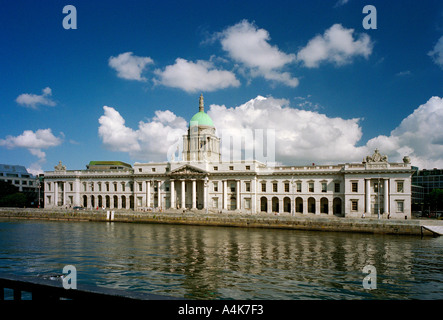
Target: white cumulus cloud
[
  {"x": 152, "y": 139},
  {"x": 129, "y": 66},
  {"x": 33, "y": 100},
  {"x": 249, "y": 46},
  {"x": 302, "y": 136},
  {"x": 337, "y": 45},
  {"x": 420, "y": 136},
  {"x": 33, "y": 141},
  {"x": 437, "y": 53},
  {"x": 195, "y": 76}
]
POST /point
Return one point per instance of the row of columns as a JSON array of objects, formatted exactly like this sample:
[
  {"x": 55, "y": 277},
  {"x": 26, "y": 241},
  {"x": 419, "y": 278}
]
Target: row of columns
[{"x": 385, "y": 195}]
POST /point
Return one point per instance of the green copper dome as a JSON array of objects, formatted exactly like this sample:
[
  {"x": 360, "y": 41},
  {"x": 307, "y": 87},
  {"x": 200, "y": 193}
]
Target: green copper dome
[{"x": 201, "y": 119}]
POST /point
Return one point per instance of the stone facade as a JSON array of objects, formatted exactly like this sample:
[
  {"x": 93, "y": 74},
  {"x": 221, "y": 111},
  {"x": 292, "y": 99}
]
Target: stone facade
[{"x": 201, "y": 181}]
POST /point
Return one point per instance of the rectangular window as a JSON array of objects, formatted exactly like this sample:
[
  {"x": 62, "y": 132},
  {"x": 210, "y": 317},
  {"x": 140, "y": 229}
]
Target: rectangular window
[
  {"x": 286, "y": 186},
  {"x": 311, "y": 187},
  {"x": 354, "y": 205},
  {"x": 84, "y": 186},
  {"x": 153, "y": 169},
  {"x": 248, "y": 167},
  {"x": 247, "y": 203},
  {"x": 400, "y": 206},
  {"x": 233, "y": 187},
  {"x": 139, "y": 169},
  {"x": 337, "y": 187},
  {"x": 140, "y": 186},
  {"x": 115, "y": 186},
  {"x": 71, "y": 187},
  {"x": 215, "y": 168},
  {"x": 375, "y": 187},
  {"x": 107, "y": 186},
  {"x": 324, "y": 187},
  {"x": 400, "y": 186},
  {"x": 298, "y": 186},
  {"x": 215, "y": 184},
  {"x": 248, "y": 186},
  {"x": 275, "y": 187},
  {"x": 354, "y": 187},
  {"x": 99, "y": 186},
  {"x": 231, "y": 167},
  {"x": 263, "y": 187},
  {"x": 123, "y": 186}
]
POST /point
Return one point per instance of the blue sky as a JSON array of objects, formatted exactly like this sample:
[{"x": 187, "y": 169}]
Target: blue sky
[{"x": 331, "y": 89}]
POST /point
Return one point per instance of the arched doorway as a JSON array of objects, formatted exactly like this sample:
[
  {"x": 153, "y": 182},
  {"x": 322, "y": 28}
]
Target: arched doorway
[
  {"x": 263, "y": 204},
  {"x": 123, "y": 202},
  {"x": 275, "y": 204},
  {"x": 299, "y": 205},
  {"x": 337, "y": 206},
  {"x": 92, "y": 202},
  {"x": 108, "y": 202},
  {"x": 324, "y": 205},
  {"x": 100, "y": 201},
  {"x": 311, "y": 205},
  {"x": 85, "y": 201},
  {"x": 115, "y": 202},
  {"x": 131, "y": 202},
  {"x": 287, "y": 204}
]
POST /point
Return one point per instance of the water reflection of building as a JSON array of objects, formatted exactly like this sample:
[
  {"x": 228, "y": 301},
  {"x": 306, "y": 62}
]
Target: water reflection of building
[
  {"x": 202, "y": 181},
  {"x": 231, "y": 262}
]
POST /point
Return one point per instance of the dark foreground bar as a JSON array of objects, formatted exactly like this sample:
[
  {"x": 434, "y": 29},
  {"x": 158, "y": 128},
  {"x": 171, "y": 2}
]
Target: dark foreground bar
[{"x": 45, "y": 289}]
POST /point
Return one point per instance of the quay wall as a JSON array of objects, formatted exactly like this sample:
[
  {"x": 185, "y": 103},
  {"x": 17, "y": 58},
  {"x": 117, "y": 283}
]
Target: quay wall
[{"x": 298, "y": 222}]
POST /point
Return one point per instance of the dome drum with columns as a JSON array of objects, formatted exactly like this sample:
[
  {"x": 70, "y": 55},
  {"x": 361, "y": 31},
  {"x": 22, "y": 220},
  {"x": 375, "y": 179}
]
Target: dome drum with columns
[{"x": 201, "y": 181}]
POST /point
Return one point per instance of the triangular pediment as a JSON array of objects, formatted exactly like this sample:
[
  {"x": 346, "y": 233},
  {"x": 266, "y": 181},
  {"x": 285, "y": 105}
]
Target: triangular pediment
[{"x": 188, "y": 169}]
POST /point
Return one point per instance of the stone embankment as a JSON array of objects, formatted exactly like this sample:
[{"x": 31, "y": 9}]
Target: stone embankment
[{"x": 298, "y": 222}]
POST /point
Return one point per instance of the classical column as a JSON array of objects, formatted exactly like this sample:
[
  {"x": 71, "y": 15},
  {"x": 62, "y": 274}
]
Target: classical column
[
  {"x": 238, "y": 195},
  {"x": 56, "y": 194},
  {"x": 368, "y": 196},
  {"x": 148, "y": 194},
  {"x": 172, "y": 195},
  {"x": 205, "y": 191},
  {"x": 183, "y": 194},
  {"x": 254, "y": 196},
  {"x": 159, "y": 194},
  {"x": 225, "y": 194},
  {"x": 64, "y": 193},
  {"x": 386, "y": 195},
  {"x": 194, "y": 194}
]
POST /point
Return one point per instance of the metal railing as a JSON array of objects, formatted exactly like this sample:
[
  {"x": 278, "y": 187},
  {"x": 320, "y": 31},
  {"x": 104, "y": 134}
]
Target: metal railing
[{"x": 46, "y": 289}]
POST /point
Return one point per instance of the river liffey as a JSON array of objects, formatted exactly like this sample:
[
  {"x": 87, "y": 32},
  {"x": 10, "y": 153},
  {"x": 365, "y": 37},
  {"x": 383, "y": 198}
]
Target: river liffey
[{"x": 197, "y": 262}]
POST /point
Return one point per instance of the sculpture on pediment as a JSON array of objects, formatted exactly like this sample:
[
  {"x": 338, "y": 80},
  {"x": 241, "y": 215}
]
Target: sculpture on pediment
[
  {"x": 187, "y": 170},
  {"x": 376, "y": 157},
  {"x": 60, "y": 167}
]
